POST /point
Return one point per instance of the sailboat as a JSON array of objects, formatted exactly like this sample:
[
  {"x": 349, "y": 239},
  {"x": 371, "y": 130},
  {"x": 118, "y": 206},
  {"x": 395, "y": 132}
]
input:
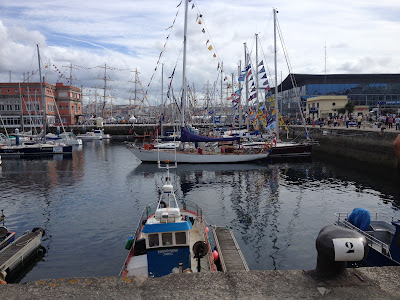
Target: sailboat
[
  {"x": 205, "y": 149},
  {"x": 280, "y": 149}
]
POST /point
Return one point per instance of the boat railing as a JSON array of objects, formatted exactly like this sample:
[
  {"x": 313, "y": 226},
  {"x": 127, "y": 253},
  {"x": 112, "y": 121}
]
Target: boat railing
[
  {"x": 190, "y": 206},
  {"x": 371, "y": 240}
]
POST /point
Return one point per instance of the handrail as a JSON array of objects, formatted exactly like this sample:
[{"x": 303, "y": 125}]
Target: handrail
[{"x": 370, "y": 239}]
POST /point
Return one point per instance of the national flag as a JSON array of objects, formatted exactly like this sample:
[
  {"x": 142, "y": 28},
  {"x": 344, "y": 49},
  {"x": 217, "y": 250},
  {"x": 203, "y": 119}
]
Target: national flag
[
  {"x": 267, "y": 88},
  {"x": 248, "y": 67},
  {"x": 261, "y": 63},
  {"x": 204, "y": 31},
  {"x": 214, "y": 55},
  {"x": 249, "y": 73},
  {"x": 241, "y": 77},
  {"x": 251, "y": 78},
  {"x": 262, "y": 70},
  {"x": 199, "y": 21},
  {"x": 192, "y": 6},
  {"x": 264, "y": 76},
  {"x": 210, "y": 48},
  {"x": 229, "y": 98},
  {"x": 46, "y": 66}
]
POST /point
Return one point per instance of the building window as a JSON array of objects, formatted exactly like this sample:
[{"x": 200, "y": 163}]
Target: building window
[
  {"x": 8, "y": 90},
  {"x": 333, "y": 104},
  {"x": 16, "y": 90},
  {"x": 9, "y": 107},
  {"x": 1, "y": 106},
  {"x": 318, "y": 104},
  {"x": 16, "y": 106}
]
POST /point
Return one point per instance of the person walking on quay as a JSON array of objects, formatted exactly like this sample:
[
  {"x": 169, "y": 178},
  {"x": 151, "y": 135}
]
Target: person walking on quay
[
  {"x": 390, "y": 121},
  {"x": 397, "y": 121},
  {"x": 359, "y": 120}
]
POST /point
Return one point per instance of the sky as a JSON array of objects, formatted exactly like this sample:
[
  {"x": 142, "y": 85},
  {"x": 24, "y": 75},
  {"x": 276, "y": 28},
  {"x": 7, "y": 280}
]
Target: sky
[{"x": 336, "y": 37}]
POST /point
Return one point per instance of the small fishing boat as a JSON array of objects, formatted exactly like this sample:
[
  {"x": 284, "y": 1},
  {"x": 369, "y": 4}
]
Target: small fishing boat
[
  {"x": 170, "y": 238},
  {"x": 382, "y": 234},
  {"x": 6, "y": 236}
]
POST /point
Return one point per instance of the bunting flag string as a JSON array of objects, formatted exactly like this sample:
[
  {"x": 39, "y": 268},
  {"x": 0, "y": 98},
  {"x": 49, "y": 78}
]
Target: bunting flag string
[{"x": 165, "y": 45}]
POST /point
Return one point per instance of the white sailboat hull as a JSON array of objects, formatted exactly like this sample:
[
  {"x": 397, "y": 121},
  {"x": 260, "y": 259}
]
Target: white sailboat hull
[{"x": 193, "y": 158}]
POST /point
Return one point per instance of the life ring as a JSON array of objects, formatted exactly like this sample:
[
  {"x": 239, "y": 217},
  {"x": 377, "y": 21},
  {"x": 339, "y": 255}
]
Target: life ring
[{"x": 163, "y": 204}]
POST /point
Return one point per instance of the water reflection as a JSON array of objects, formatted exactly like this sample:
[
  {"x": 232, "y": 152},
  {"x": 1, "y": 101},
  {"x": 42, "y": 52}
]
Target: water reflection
[{"x": 89, "y": 205}]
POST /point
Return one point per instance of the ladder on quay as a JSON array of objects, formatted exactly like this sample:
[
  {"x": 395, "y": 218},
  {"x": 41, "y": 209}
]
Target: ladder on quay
[{"x": 230, "y": 255}]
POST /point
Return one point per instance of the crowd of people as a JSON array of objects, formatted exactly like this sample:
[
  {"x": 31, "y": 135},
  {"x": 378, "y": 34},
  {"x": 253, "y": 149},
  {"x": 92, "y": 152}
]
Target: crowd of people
[{"x": 388, "y": 121}]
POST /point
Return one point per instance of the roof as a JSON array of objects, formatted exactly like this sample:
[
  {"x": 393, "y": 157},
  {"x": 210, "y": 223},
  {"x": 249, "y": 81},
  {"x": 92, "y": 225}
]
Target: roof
[
  {"x": 167, "y": 227},
  {"x": 303, "y": 79}
]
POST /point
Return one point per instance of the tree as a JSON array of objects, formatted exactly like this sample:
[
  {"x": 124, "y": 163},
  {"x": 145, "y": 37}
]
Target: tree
[
  {"x": 349, "y": 107},
  {"x": 341, "y": 111}
]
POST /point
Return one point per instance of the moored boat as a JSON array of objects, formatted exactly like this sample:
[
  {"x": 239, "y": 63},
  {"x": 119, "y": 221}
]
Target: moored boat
[
  {"x": 382, "y": 234},
  {"x": 171, "y": 237},
  {"x": 33, "y": 148}
]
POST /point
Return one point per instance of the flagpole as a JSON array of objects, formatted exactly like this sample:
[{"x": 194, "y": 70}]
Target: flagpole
[{"x": 257, "y": 68}]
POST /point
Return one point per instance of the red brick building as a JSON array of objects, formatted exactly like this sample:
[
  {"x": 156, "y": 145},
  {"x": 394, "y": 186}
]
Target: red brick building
[{"x": 21, "y": 104}]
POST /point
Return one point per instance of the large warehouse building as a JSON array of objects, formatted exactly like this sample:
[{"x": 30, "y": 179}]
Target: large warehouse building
[{"x": 375, "y": 90}]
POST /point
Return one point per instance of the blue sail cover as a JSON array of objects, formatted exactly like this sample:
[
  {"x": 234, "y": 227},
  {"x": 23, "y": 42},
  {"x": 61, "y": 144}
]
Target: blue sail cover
[{"x": 187, "y": 136}]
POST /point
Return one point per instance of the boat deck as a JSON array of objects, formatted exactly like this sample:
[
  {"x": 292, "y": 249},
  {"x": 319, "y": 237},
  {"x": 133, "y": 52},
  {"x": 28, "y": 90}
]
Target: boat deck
[
  {"x": 230, "y": 255},
  {"x": 19, "y": 250},
  {"x": 195, "y": 236}
]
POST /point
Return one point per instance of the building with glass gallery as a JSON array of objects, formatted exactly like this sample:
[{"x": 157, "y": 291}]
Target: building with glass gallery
[{"x": 375, "y": 90}]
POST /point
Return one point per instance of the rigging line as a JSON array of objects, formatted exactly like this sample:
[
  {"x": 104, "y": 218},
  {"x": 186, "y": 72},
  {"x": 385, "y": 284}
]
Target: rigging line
[
  {"x": 292, "y": 78},
  {"x": 208, "y": 33},
  {"x": 162, "y": 51}
]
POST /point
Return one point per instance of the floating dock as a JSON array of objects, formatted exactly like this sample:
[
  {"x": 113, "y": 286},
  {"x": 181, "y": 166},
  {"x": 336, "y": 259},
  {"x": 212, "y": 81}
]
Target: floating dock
[
  {"x": 17, "y": 252},
  {"x": 230, "y": 255}
]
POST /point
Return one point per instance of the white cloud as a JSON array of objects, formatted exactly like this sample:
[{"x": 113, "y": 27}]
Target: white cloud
[{"x": 360, "y": 37}]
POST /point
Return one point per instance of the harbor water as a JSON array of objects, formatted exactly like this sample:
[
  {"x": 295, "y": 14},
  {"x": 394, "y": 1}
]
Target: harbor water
[{"x": 89, "y": 204}]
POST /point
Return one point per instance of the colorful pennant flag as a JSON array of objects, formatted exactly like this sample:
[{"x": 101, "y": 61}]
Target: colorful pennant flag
[
  {"x": 262, "y": 70},
  {"x": 210, "y": 48},
  {"x": 264, "y": 76},
  {"x": 261, "y": 63}
]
